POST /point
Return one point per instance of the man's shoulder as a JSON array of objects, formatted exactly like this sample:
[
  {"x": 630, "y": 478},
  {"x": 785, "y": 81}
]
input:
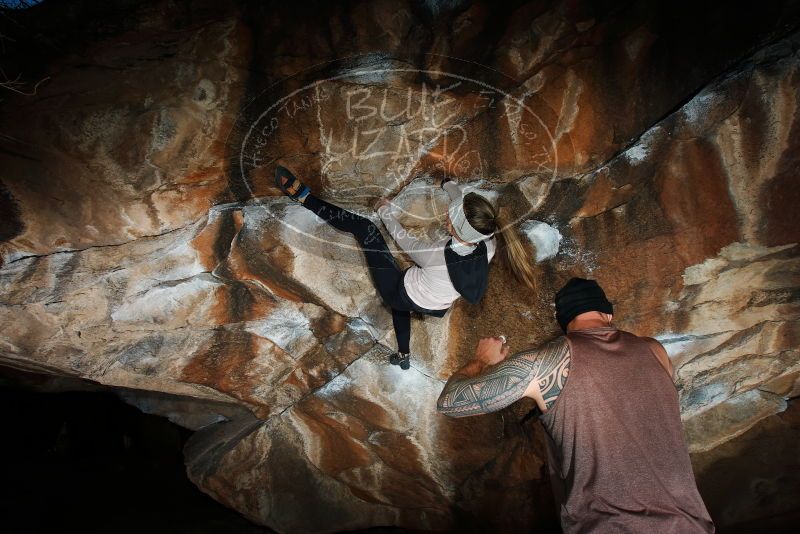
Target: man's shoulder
[
  {"x": 660, "y": 353},
  {"x": 558, "y": 341},
  {"x": 557, "y": 345},
  {"x": 651, "y": 342}
]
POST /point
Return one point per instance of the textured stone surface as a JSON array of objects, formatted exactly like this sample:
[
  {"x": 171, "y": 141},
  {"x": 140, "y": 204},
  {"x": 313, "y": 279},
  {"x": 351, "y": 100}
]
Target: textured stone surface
[
  {"x": 762, "y": 493},
  {"x": 144, "y": 249}
]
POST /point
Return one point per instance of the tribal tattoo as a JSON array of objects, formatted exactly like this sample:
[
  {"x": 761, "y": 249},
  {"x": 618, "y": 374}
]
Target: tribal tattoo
[{"x": 505, "y": 383}]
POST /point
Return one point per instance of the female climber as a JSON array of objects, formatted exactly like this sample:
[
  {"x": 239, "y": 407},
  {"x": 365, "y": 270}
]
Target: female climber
[{"x": 445, "y": 269}]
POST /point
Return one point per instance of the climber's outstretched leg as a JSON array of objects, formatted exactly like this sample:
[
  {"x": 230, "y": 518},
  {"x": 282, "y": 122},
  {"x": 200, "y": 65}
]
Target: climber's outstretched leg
[
  {"x": 401, "y": 319},
  {"x": 386, "y": 273}
]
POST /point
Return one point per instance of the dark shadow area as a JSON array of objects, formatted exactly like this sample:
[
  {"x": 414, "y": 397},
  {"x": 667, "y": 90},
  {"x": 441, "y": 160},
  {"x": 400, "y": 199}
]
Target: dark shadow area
[
  {"x": 88, "y": 462},
  {"x": 75, "y": 457},
  {"x": 752, "y": 482},
  {"x": 11, "y": 224}
]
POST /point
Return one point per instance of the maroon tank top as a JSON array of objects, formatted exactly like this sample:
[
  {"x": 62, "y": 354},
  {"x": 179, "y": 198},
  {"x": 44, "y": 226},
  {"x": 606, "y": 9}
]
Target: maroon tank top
[{"x": 617, "y": 457}]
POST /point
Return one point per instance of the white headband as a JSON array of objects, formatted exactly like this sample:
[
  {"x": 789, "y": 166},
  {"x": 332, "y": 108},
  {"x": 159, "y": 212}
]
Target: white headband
[{"x": 461, "y": 226}]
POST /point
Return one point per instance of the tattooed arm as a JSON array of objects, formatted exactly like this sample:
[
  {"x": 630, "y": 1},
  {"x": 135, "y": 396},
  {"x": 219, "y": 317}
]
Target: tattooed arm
[{"x": 479, "y": 388}]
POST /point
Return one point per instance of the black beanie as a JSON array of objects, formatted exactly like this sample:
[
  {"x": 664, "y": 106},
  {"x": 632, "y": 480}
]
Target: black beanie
[{"x": 580, "y": 296}]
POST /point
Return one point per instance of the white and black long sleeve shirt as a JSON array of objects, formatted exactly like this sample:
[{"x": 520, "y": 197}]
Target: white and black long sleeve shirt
[{"x": 428, "y": 282}]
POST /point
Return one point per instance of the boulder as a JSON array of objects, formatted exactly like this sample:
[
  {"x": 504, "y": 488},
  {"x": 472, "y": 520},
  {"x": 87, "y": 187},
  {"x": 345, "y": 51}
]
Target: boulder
[{"x": 143, "y": 246}]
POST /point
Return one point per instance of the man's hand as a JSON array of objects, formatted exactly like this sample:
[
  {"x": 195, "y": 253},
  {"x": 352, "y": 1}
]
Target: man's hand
[{"x": 491, "y": 351}]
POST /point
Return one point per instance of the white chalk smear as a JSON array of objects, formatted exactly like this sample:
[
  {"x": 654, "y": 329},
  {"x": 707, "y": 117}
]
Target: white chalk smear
[
  {"x": 636, "y": 154},
  {"x": 544, "y": 237}
]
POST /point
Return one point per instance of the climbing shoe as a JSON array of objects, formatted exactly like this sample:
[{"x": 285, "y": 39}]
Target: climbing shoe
[
  {"x": 402, "y": 359},
  {"x": 285, "y": 181}
]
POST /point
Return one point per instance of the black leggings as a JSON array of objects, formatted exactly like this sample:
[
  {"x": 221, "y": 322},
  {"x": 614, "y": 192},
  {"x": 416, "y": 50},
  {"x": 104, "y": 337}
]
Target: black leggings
[{"x": 386, "y": 273}]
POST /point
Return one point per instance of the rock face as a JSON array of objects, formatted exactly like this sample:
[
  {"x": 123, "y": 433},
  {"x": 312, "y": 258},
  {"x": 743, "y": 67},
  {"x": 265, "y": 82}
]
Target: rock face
[{"x": 144, "y": 247}]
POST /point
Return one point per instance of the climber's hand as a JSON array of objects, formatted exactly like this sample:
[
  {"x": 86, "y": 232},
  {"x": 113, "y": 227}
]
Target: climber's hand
[{"x": 491, "y": 350}]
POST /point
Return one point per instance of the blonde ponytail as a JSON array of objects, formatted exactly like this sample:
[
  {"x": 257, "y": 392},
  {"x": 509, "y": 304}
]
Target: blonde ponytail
[
  {"x": 486, "y": 219},
  {"x": 516, "y": 256}
]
